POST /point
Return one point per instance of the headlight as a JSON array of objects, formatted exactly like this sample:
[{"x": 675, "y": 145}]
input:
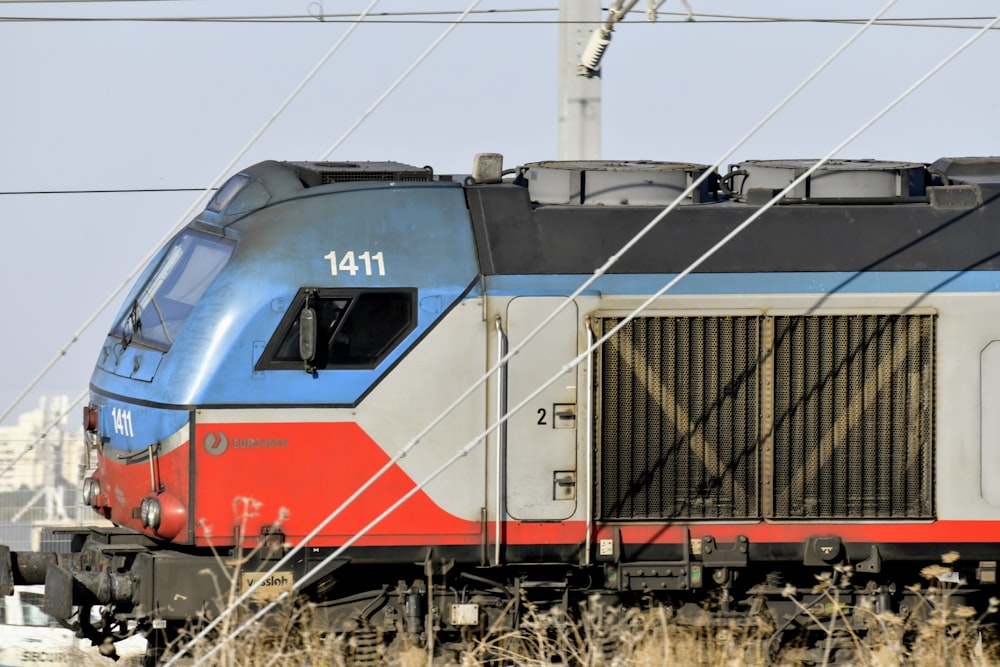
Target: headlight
[
  {"x": 91, "y": 490},
  {"x": 150, "y": 513},
  {"x": 164, "y": 514}
]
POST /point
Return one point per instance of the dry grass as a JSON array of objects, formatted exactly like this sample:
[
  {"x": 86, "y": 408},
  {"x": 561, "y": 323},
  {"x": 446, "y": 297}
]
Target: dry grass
[
  {"x": 938, "y": 629},
  {"x": 938, "y": 632}
]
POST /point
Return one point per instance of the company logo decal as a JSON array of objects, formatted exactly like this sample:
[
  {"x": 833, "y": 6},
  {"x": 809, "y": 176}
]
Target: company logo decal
[
  {"x": 215, "y": 443},
  {"x": 258, "y": 443}
]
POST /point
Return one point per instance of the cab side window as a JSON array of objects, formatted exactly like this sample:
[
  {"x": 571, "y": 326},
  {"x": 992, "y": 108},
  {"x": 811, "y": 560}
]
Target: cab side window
[{"x": 354, "y": 329}]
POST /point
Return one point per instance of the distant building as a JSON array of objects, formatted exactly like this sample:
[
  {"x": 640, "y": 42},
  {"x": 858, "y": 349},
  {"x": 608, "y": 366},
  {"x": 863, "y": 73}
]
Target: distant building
[
  {"x": 58, "y": 455},
  {"x": 42, "y": 460}
]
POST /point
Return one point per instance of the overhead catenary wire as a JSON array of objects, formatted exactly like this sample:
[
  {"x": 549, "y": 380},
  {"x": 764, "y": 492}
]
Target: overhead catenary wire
[
  {"x": 990, "y": 28},
  {"x": 114, "y": 295},
  {"x": 198, "y": 201},
  {"x": 470, "y": 445},
  {"x": 413, "y": 17},
  {"x": 101, "y": 191},
  {"x": 597, "y": 274},
  {"x": 76, "y": 2},
  {"x": 402, "y": 77},
  {"x": 184, "y": 217}
]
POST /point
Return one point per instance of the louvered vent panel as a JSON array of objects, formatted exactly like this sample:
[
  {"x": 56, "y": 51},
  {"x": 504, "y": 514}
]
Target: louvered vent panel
[
  {"x": 328, "y": 177},
  {"x": 313, "y": 174},
  {"x": 678, "y": 435},
  {"x": 853, "y": 417}
]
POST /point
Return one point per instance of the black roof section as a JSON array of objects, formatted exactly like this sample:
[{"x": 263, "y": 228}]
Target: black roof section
[{"x": 955, "y": 226}]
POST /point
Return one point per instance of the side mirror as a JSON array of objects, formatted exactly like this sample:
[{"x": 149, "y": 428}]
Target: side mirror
[{"x": 307, "y": 338}]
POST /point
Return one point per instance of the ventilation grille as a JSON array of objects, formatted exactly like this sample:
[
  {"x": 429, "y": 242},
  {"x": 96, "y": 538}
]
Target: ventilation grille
[
  {"x": 833, "y": 415},
  {"x": 854, "y": 417},
  {"x": 313, "y": 174},
  {"x": 678, "y": 427}
]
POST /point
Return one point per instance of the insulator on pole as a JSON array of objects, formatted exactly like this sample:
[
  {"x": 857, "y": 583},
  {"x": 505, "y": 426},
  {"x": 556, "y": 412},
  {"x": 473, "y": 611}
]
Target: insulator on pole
[{"x": 590, "y": 59}]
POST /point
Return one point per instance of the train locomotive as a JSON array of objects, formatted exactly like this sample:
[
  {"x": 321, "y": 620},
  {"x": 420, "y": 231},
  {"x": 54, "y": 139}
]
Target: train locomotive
[{"x": 818, "y": 392}]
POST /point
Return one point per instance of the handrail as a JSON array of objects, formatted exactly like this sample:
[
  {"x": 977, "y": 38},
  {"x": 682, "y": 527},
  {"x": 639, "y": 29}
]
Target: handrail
[
  {"x": 501, "y": 434},
  {"x": 588, "y": 440}
]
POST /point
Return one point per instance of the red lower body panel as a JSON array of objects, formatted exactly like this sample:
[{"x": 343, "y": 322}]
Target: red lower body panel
[
  {"x": 293, "y": 475},
  {"x": 247, "y": 478}
]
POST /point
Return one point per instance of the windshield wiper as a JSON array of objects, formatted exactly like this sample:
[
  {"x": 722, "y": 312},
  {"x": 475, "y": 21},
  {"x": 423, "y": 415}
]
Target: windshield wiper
[
  {"x": 163, "y": 322},
  {"x": 132, "y": 324}
]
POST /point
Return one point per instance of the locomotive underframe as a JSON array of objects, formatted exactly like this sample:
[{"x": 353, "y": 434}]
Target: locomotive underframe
[{"x": 449, "y": 595}]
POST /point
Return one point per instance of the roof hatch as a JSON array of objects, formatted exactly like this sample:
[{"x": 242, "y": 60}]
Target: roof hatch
[
  {"x": 610, "y": 183},
  {"x": 837, "y": 179}
]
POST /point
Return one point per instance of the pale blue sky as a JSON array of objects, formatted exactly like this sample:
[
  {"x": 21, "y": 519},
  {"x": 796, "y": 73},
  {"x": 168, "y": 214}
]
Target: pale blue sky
[{"x": 111, "y": 105}]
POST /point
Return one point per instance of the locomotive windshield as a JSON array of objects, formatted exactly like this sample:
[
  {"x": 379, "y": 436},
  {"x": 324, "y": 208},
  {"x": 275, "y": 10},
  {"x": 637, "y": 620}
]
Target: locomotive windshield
[{"x": 159, "y": 309}]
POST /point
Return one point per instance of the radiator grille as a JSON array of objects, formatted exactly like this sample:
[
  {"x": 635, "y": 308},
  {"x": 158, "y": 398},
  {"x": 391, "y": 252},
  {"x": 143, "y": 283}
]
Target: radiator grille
[
  {"x": 678, "y": 432},
  {"x": 853, "y": 425},
  {"x": 833, "y": 415}
]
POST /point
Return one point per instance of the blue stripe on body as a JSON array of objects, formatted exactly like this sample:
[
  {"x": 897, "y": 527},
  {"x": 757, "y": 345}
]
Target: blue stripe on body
[{"x": 922, "y": 282}]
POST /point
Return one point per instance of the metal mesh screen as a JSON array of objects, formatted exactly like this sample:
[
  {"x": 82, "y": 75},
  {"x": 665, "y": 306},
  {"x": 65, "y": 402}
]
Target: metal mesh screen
[
  {"x": 677, "y": 432},
  {"x": 398, "y": 176},
  {"x": 313, "y": 174},
  {"x": 853, "y": 416},
  {"x": 834, "y": 414}
]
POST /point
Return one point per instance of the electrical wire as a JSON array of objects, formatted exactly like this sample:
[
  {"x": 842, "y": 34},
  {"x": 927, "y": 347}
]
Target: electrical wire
[
  {"x": 103, "y": 191},
  {"x": 199, "y": 200},
  {"x": 402, "y": 77},
  {"x": 982, "y": 30},
  {"x": 183, "y": 219},
  {"x": 405, "y": 17},
  {"x": 570, "y": 299},
  {"x": 469, "y": 446},
  {"x": 79, "y": 2},
  {"x": 357, "y": 20},
  {"x": 421, "y": 17},
  {"x": 343, "y": 137}
]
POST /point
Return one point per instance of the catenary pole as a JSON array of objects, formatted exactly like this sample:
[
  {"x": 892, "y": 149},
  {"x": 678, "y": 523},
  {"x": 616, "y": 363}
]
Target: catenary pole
[{"x": 579, "y": 96}]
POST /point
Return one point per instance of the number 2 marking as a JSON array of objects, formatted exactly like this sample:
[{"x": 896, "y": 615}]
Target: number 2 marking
[{"x": 349, "y": 263}]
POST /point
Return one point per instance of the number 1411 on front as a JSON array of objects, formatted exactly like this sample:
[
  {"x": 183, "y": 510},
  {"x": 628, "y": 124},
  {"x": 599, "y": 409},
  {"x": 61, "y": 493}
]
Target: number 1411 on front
[{"x": 350, "y": 263}]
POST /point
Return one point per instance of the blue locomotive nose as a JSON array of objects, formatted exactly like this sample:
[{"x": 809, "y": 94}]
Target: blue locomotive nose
[{"x": 377, "y": 251}]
